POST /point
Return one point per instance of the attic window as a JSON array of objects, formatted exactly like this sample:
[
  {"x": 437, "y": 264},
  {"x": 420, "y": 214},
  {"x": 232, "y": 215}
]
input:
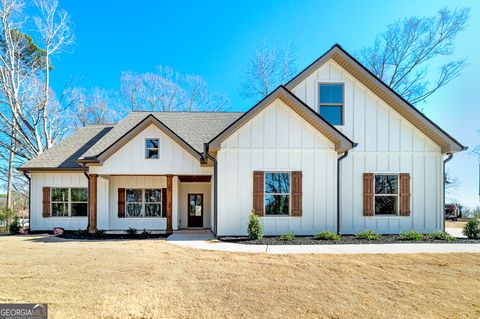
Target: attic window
[
  {"x": 331, "y": 100},
  {"x": 151, "y": 148}
]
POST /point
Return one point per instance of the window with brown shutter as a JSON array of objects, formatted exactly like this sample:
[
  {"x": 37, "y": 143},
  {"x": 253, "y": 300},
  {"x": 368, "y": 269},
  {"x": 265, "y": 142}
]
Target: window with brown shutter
[
  {"x": 404, "y": 194},
  {"x": 367, "y": 194},
  {"x": 46, "y": 202},
  {"x": 258, "y": 189},
  {"x": 121, "y": 202},
  {"x": 296, "y": 190}
]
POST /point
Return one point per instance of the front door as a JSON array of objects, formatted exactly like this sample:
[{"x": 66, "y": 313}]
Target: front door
[{"x": 195, "y": 210}]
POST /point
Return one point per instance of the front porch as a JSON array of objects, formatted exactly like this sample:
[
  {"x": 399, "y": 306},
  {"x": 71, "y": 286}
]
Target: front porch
[{"x": 157, "y": 203}]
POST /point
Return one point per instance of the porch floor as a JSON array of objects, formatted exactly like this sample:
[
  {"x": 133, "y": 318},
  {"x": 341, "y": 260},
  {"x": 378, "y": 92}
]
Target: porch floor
[{"x": 191, "y": 234}]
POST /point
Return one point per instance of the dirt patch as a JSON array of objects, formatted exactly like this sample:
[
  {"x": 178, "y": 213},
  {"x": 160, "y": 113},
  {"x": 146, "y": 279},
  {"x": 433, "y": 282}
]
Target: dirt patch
[
  {"x": 455, "y": 224},
  {"x": 154, "y": 279}
]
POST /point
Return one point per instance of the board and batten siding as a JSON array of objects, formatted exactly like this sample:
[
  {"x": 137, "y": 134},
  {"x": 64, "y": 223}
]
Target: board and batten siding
[
  {"x": 130, "y": 158},
  {"x": 277, "y": 139},
  {"x": 387, "y": 143},
  {"x": 52, "y": 179}
]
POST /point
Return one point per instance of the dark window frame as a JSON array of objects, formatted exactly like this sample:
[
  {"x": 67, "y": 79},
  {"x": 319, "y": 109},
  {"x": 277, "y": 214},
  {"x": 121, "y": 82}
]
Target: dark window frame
[
  {"x": 289, "y": 194},
  {"x": 395, "y": 195},
  {"x": 152, "y": 148},
  {"x": 68, "y": 201},
  {"x": 342, "y": 105}
]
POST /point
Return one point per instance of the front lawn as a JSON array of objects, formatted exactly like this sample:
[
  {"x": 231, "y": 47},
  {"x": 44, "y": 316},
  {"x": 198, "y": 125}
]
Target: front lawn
[{"x": 153, "y": 279}]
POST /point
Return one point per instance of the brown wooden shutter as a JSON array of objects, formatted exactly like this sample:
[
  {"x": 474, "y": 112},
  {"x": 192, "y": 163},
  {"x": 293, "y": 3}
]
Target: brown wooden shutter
[
  {"x": 164, "y": 202},
  {"x": 121, "y": 203},
  {"x": 296, "y": 191},
  {"x": 258, "y": 189},
  {"x": 367, "y": 194},
  {"x": 404, "y": 194},
  {"x": 46, "y": 202}
]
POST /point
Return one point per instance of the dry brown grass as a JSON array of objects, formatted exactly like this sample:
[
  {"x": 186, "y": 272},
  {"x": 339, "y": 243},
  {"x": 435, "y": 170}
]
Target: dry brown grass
[
  {"x": 456, "y": 224},
  {"x": 155, "y": 279}
]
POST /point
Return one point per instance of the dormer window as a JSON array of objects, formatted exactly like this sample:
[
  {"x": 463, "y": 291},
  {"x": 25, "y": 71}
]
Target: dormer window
[
  {"x": 151, "y": 148},
  {"x": 331, "y": 98}
]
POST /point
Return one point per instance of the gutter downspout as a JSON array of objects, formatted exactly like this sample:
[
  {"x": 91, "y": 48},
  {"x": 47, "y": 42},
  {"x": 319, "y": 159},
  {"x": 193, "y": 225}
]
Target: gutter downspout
[
  {"x": 338, "y": 189},
  {"x": 445, "y": 161},
  {"x": 206, "y": 157},
  {"x": 84, "y": 167},
  {"x": 29, "y": 197}
]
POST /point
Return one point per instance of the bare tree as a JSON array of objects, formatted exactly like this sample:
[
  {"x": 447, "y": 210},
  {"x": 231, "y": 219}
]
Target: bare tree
[
  {"x": 451, "y": 182},
  {"x": 30, "y": 117},
  {"x": 403, "y": 55},
  {"x": 96, "y": 106},
  {"x": 167, "y": 90},
  {"x": 267, "y": 69}
]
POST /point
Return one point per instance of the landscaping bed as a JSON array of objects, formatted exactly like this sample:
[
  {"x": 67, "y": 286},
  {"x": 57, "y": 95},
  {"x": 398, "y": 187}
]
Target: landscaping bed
[
  {"x": 344, "y": 240},
  {"x": 102, "y": 236}
]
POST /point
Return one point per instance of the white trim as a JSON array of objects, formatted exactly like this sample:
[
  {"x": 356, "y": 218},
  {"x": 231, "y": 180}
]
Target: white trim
[
  {"x": 317, "y": 98},
  {"x": 152, "y": 148},
  {"x": 397, "y": 195}
]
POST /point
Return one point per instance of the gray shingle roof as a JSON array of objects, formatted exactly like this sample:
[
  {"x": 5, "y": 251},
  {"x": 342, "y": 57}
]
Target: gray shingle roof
[
  {"x": 64, "y": 154},
  {"x": 195, "y": 128}
]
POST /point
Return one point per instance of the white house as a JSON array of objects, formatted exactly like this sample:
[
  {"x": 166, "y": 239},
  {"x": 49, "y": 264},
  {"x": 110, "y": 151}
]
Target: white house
[{"x": 334, "y": 149}]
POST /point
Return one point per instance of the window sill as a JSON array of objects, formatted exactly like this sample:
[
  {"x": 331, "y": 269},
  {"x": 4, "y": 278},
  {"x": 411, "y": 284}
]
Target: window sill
[{"x": 67, "y": 217}]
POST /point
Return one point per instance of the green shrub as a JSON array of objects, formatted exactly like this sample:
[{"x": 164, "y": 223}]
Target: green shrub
[
  {"x": 82, "y": 232},
  {"x": 99, "y": 233},
  {"x": 14, "y": 227},
  {"x": 368, "y": 235},
  {"x": 255, "y": 228},
  {"x": 131, "y": 231},
  {"x": 287, "y": 236},
  {"x": 411, "y": 235},
  {"x": 441, "y": 235},
  {"x": 327, "y": 235},
  {"x": 472, "y": 229},
  {"x": 145, "y": 233}
]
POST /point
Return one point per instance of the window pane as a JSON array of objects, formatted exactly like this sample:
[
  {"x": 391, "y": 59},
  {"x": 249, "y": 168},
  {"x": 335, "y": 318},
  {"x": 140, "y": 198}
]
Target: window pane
[
  {"x": 153, "y": 210},
  {"x": 385, "y": 205},
  {"x": 133, "y": 210},
  {"x": 59, "y": 209},
  {"x": 59, "y": 194},
  {"x": 331, "y": 93},
  {"x": 153, "y": 196},
  {"x": 134, "y": 195},
  {"x": 79, "y": 194},
  {"x": 277, "y": 183},
  {"x": 277, "y": 204},
  {"x": 151, "y": 143},
  {"x": 332, "y": 114},
  {"x": 79, "y": 209},
  {"x": 151, "y": 153},
  {"x": 195, "y": 206},
  {"x": 386, "y": 184}
]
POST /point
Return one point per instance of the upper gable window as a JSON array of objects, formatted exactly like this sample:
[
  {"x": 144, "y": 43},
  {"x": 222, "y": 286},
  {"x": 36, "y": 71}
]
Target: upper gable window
[
  {"x": 331, "y": 100},
  {"x": 151, "y": 148}
]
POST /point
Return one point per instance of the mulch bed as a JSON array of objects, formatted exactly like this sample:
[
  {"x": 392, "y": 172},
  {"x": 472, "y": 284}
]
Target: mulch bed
[
  {"x": 309, "y": 240},
  {"x": 110, "y": 236}
]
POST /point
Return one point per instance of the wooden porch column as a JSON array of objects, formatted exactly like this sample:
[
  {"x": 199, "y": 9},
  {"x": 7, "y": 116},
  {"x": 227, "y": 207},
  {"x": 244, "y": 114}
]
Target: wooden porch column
[
  {"x": 169, "y": 203},
  {"x": 92, "y": 204}
]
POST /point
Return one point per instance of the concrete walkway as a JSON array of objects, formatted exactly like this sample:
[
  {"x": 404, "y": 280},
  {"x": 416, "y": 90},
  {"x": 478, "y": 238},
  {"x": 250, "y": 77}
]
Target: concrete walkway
[{"x": 204, "y": 239}]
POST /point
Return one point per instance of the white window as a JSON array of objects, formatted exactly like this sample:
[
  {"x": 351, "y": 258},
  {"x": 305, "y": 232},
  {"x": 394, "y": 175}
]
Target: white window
[
  {"x": 68, "y": 202},
  {"x": 331, "y": 102},
  {"x": 386, "y": 194},
  {"x": 277, "y": 193},
  {"x": 151, "y": 148},
  {"x": 143, "y": 203}
]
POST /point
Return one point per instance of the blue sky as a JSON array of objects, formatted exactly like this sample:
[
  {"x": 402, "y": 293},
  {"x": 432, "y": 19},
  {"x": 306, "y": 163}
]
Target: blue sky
[{"x": 216, "y": 38}]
